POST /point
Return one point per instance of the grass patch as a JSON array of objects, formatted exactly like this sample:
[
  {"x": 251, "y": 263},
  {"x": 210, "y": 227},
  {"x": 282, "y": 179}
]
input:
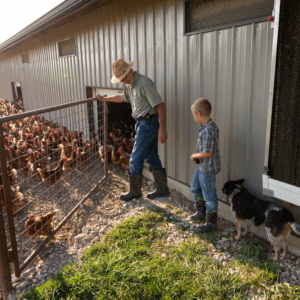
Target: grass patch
[{"x": 135, "y": 262}]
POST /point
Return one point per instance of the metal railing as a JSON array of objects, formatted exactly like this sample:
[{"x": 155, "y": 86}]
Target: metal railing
[{"x": 50, "y": 164}]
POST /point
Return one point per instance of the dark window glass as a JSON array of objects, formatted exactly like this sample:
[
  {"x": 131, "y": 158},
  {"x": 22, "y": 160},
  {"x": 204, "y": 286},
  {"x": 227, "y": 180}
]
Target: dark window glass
[
  {"x": 67, "y": 47},
  {"x": 25, "y": 58},
  {"x": 205, "y": 15}
]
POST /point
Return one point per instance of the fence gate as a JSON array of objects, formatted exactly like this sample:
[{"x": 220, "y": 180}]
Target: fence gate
[{"x": 50, "y": 164}]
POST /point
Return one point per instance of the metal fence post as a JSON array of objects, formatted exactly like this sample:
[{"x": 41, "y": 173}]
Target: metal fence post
[
  {"x": 10, "y": 217},
  {"x": 5, "y": 275},
  {"x": 105, "y": 139}
]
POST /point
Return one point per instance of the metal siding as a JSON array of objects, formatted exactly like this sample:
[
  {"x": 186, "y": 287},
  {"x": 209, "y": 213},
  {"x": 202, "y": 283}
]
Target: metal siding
[{"x": 230, "y": 67}]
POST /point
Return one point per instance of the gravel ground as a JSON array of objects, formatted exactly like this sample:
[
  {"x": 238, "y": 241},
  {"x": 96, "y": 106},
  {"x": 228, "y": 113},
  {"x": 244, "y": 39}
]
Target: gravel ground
[{"x": 103, "y": 210}]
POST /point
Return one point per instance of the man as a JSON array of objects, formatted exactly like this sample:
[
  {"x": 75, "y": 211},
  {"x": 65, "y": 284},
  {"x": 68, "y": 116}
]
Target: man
[{"x": 149, "y": 112}]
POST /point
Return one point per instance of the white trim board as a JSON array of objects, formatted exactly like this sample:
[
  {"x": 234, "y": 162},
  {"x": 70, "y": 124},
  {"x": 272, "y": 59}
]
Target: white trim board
[{"x": 281, "y": 190}]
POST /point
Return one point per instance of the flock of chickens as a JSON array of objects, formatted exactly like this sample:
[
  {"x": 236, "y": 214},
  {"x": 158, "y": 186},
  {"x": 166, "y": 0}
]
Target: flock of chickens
[{"x": 34, "y": 144}]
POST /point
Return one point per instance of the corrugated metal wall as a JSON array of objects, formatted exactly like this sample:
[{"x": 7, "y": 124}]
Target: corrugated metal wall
[{"x": 230, "y": 67}]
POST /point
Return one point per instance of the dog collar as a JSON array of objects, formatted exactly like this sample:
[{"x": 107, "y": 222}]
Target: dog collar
[{"x": 236, "y": 191}]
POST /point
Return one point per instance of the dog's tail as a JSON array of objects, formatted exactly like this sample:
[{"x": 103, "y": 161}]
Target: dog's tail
[{"x": 295, "y": 227}]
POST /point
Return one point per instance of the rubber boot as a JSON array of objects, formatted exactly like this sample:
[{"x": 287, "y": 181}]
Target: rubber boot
[
  {"x": 200, "y": 211},
  {"x": 211, "y": 222},
  {"x": 135, "y": 188},
  {"x": 161, "y": 184}
]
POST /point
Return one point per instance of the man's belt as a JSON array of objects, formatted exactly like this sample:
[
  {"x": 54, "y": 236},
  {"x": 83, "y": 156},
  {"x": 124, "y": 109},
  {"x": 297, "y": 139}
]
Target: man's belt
[{"x": 146, "y": 117}]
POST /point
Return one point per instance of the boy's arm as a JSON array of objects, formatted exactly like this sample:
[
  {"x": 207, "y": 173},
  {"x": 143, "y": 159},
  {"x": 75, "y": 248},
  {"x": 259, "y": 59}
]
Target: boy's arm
[
  {"x": 207, "y": 147},
  {"x": 200, "y": 155}
]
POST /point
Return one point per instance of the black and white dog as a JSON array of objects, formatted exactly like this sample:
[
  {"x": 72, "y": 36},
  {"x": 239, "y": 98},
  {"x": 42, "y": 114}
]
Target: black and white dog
[{"x": 279, "y": 221}]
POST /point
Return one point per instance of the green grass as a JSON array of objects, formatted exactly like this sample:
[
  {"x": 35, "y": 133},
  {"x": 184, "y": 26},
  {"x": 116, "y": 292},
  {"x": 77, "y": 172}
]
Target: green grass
[{"x": 135, "y": 262}]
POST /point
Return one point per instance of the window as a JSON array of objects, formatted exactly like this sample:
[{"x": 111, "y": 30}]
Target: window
[
  {"x": 25, "y": 58},
  {"x": 206, "y": 15},
  {"x": 67, "y": 47}
]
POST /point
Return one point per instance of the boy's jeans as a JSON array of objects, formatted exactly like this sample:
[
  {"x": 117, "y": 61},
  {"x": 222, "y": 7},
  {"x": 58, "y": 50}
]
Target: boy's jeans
[
  {"x": 145, "y": 146},
  {"x": 204, "y": 186}
]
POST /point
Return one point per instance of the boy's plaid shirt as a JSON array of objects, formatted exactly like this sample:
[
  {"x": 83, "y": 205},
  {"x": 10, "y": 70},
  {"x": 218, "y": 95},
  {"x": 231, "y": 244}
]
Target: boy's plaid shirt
[{"x": 208, "y": 141}]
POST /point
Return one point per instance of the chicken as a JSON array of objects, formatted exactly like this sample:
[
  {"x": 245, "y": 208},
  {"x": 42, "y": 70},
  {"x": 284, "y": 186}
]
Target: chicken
[
  {"x": 115, "y": 156},
  {"x": 101, "y": 153},
  {"x": 124, "y": 159},
  {"x": 94, "y": 143},
  {"x": 70, "y": 163},
  {"x": 36, "y": 226},
  {"x": 117, "y": 140},
  {"x": 128, "y": 143},
  {"x": 31, "y": 165},
  {"x": 53, "y": 175},
  {"x": 82, "y": 154},
  {"x": 16, "y": 198},
  {"x": 42, "y": 162},
  {"x": 12, "y": 175}
]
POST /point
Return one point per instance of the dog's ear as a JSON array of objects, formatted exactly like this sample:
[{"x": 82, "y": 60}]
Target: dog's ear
[{"x": 240, "y": 181}]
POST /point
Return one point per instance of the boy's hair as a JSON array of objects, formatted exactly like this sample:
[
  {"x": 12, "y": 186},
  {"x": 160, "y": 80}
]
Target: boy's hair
[{"x": 202, "y": 105}]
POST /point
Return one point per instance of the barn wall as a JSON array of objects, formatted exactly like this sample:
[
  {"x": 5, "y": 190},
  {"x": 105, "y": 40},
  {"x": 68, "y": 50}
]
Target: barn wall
[{"x": 230, "y": 67}]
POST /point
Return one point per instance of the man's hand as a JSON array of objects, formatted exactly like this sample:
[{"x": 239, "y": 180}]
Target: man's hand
[
  {"x": 162, "y": 135},
  {"x": 99, "y": 97}
]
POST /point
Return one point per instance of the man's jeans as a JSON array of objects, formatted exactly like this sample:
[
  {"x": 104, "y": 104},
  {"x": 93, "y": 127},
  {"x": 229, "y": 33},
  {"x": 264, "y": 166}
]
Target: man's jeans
[
  {"x": 204, "y": 186},
  {"x": 145, "y": 146}
]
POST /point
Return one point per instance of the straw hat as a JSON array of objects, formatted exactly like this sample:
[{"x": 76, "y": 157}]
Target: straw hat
[{"x": 120, "y": 69}]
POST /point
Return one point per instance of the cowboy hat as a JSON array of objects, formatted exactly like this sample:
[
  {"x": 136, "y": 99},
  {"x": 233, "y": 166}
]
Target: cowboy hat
[{"x": 120, "y": 69}]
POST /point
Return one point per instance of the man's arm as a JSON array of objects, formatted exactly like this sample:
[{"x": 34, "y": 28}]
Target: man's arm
[
  {"x": 116, "y": 99},
  {"x": 162, "y": 133}
]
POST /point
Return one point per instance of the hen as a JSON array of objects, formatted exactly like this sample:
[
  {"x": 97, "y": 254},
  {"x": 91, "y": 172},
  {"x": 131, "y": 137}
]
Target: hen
[
  {"x": 31, "y": 165},
  {"x": 124, "y": 159},
  {"x": 115, "y": 156},
  {"x": 82, "y": 154},
  {"x": 70, "y": 163},
  {"x": 36, "y": 226},
  {"x": 101, "y": 153},
  {"x": 51, "y": 176},
  {"x": 16, "y": 197}
]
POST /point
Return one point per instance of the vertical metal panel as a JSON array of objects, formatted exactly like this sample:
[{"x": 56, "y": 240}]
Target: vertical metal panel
[{"x": 230, "y": 67}]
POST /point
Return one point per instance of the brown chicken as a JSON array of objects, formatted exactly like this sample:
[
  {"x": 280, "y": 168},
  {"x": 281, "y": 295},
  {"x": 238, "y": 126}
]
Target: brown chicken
[
  {"x": 128, "y": 143},
  {"x": 36, "y": 226},
  {"x": 101, "y": 153},
  {"x": 51, "y": 176},
  {"x": 115, "y": 156},
  {"x": 31, "y": 165},
  {"x": 70, "y": 163},
  {"x": 124, "y": 159},
  {"x": 82, "y": 153},
  {"x": 16, "y": 198}
]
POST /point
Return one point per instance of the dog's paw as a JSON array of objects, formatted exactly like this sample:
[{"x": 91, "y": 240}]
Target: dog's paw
[{"x": 237, "y": 237}]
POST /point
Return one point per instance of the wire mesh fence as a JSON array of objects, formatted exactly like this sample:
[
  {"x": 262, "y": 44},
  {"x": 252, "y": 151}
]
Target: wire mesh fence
[{"x": 49, "y": 164}]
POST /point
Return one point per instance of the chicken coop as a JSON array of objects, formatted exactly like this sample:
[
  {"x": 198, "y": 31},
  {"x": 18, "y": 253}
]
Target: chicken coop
[
  {"x": 48, "y": 169},
  {"x": 224, "y": 51}
]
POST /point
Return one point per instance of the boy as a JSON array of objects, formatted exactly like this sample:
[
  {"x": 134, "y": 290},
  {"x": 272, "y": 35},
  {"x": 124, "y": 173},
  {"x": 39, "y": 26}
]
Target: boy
[{"x": 208, "y": 165}]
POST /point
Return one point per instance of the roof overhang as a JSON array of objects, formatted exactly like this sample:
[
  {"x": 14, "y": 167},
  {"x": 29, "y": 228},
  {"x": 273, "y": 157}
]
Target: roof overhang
[{"x": 61, "y": 14}]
